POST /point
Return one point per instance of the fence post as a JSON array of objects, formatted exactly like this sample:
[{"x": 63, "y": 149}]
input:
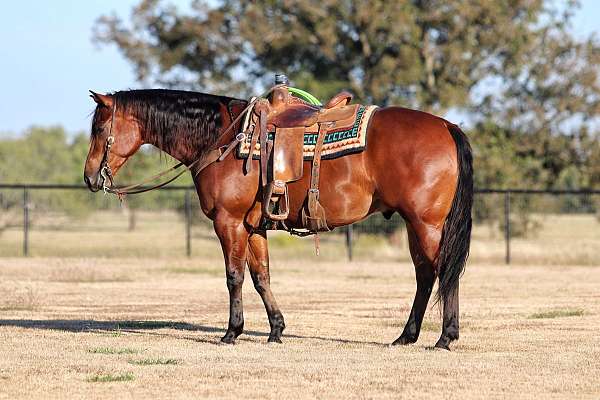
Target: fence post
[
  {"x": 507, "y": 226},
  {"x": 25, "y": 222},
  {"x": 349, "y": 234},
  {"x": 188, "y": 224}
]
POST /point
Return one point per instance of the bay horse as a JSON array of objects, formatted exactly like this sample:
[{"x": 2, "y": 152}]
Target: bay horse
[{"x": 415, "y": 163}]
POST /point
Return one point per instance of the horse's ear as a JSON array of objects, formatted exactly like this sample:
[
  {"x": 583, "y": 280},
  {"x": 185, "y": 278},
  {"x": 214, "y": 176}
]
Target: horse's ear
[{"x": 102, "y": 99}]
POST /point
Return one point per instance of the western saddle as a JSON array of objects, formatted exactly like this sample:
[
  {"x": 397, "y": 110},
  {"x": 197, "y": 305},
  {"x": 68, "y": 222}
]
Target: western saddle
[{"x": 279, "y": 123}]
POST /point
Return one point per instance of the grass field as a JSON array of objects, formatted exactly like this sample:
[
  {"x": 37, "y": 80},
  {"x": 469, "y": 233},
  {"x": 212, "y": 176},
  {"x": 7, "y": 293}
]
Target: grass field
[{"x": 143, "y": 328}]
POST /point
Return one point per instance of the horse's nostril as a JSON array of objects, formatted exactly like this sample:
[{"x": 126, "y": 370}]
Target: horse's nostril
[{"x": 88, "y": 182}]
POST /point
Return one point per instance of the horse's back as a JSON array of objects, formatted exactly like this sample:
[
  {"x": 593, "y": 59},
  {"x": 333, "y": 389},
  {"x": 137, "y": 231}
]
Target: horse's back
[{"x": 408, "y": 126}]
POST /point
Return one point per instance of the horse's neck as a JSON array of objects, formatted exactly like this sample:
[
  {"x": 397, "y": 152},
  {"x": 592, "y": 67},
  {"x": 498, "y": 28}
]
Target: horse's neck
[
  {"x": 186, "y": 151},
  {"x": 182, "y": 153}
]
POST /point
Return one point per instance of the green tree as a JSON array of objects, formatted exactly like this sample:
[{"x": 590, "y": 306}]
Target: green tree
[
  {"x": 428, "y": 54},
  {"x": 551, "y": 103}
]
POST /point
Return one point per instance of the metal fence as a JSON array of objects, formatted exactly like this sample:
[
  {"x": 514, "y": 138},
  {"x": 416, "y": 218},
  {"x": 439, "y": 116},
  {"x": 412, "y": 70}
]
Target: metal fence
[
  {"x": 551, "y": 226},
  {"x": 58, "y": 208},
  {"x": 543, "y": 226}
]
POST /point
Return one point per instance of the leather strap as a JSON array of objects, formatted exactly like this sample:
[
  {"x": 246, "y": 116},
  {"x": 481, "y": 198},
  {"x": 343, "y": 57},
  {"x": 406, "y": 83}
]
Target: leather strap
[
  {"x": 198, "y": 165},
  {"x": 315, "y": 220},
  {"x": 229, "y": 148},
  {"x": 255, "y": 134},
  {"x": 264, "y": 153},
  {"x": 316, "y": 165}
]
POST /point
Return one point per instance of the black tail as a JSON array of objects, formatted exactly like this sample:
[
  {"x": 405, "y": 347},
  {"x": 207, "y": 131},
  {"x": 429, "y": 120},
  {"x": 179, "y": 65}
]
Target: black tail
[{"x": 456, "y": 235}]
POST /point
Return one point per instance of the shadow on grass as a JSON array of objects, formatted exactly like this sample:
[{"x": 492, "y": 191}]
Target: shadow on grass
[{"x": 145, "y": 327}]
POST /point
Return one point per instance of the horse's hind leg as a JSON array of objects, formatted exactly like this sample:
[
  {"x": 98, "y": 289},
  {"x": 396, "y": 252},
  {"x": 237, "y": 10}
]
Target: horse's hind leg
[
  {"x": 258, "y": 263},
  {"x": 450, "y": 324},
  {"x": 425, "y": 274},
  {"x": 234, "y": 242}
]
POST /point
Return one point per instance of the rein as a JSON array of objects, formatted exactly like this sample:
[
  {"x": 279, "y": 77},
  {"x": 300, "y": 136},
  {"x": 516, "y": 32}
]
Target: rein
[{"x": 216, "y": 153}]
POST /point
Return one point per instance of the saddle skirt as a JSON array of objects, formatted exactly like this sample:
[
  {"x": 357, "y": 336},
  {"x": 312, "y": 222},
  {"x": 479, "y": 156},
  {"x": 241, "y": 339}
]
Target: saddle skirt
[{"x": 343, "y": 137}]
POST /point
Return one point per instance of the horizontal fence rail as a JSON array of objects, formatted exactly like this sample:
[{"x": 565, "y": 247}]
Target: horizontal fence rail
[
  {"x": 511, "y": 211},
  {"x": 191, "y": 187},
  {"x": 75, "y": 187}
]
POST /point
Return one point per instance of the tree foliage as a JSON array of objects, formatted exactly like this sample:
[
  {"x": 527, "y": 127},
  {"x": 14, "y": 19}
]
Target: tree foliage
[{"x": 429, "y": 53}]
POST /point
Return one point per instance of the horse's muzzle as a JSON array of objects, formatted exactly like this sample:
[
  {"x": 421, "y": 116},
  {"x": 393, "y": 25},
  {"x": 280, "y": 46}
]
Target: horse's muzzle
[{"x": 94, "y": 183}]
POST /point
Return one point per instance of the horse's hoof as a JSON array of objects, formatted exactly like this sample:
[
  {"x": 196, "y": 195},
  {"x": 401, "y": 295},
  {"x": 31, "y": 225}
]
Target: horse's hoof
[
  {"x": 443, "y": 343},
  {"x": 274, "y": 340},
  {"x": 441, "y": 347},
  {"x": 403, "y": 341},
  {"x": 227, "y": 340}
]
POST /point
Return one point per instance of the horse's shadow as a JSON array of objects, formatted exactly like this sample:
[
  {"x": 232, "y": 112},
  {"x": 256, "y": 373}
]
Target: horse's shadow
[{"x": 149, "y": 327}]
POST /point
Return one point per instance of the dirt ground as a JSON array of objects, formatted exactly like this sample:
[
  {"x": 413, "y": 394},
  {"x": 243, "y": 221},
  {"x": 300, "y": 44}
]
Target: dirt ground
[{"x": 139, "y": 328}]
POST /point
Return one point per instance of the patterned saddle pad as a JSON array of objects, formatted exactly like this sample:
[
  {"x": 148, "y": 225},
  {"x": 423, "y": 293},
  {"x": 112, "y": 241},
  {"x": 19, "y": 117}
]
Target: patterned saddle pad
[{"x": 346, "y": 138}]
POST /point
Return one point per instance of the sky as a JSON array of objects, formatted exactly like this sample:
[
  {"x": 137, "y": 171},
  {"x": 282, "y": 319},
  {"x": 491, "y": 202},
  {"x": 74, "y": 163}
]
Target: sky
[{"x": 48, "y": 61}]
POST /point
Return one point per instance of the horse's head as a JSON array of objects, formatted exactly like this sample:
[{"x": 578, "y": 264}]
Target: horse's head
[{"x": 115, "y": 137}]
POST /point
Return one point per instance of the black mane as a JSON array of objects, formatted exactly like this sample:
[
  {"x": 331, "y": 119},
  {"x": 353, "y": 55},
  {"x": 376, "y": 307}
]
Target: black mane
[{"x": 170, "y": 118}]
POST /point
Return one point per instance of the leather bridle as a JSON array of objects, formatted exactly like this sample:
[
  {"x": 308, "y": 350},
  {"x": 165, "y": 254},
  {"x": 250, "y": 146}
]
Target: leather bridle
[
  {"x": 216, "y": 153},
  {"x": 105, "y": 170}
]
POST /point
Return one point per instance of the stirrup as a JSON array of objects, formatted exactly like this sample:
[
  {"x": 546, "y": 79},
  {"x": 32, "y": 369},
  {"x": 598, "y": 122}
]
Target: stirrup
[{"x": 276, "y": 193}]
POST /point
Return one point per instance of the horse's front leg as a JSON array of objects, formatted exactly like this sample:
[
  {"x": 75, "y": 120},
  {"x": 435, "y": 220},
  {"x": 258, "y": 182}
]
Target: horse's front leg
[
  {"x": 234, "y": 242},
  {"x": 258, "y": 263}
]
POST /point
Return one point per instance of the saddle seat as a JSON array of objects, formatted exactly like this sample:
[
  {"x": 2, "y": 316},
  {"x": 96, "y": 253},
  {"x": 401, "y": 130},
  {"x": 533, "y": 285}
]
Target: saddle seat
[
  {"x": 287, "y": 111},
  {"x": 339, "y": 100}
]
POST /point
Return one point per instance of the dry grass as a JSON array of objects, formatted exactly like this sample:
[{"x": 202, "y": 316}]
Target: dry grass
[
  {"x": 19, "y": 297},
  {"x": 111, "y": 377},
  {"x": 527, "y": 332},
  {"x": 112, "y": 350},
  {"x": 155, "y": 361},
  {"x": 567, "y": 312}
]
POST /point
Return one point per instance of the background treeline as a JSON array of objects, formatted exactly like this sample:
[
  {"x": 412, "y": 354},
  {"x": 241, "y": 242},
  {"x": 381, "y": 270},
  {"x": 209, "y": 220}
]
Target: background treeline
[
  {"x": 523, "y": 85},
  {"x": 50, "y": 155}
]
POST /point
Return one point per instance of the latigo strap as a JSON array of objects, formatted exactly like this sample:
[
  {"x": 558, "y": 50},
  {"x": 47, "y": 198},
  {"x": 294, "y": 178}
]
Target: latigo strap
[{"x": 313, "y": 217}]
